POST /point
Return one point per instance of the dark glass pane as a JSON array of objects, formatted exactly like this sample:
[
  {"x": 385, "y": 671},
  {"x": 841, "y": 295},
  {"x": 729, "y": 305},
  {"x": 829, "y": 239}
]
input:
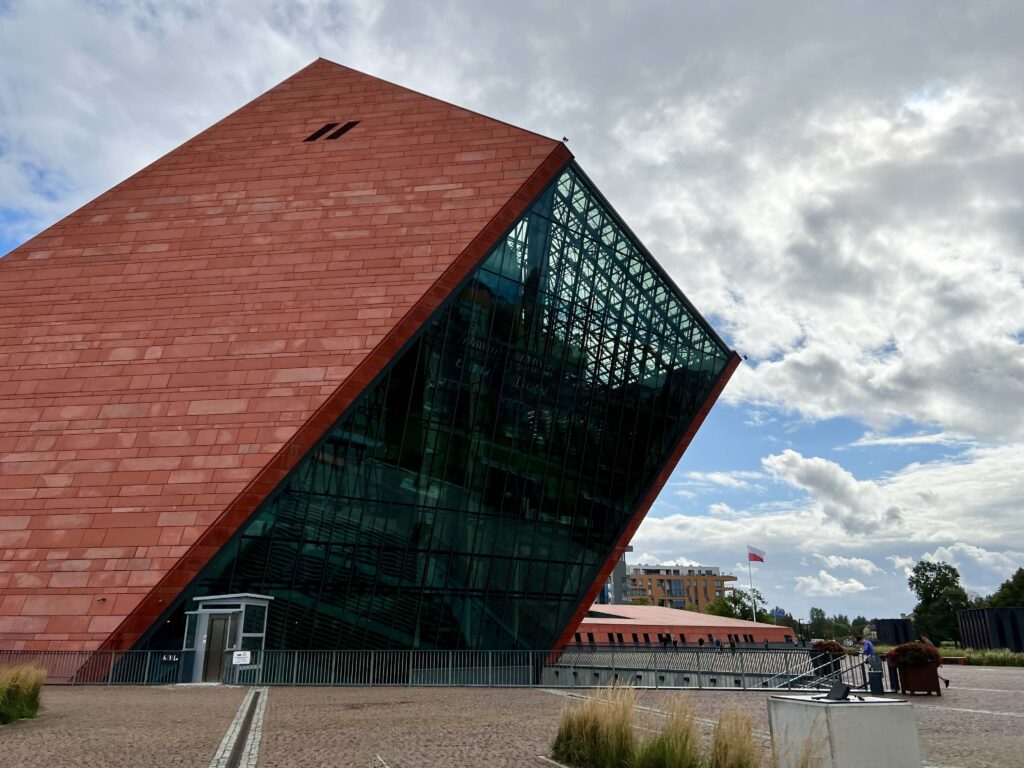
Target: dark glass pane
[
  {"x": 253, "y": 622},
  {"x": 471, "y": 494}
]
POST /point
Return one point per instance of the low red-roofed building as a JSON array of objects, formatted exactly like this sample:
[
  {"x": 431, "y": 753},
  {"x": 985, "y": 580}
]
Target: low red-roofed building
[{"x": 650, "y": 625}]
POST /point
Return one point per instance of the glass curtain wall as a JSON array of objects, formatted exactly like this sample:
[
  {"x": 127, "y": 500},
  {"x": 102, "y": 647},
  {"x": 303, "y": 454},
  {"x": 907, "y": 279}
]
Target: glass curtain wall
[{"x": 469, "y": 497}]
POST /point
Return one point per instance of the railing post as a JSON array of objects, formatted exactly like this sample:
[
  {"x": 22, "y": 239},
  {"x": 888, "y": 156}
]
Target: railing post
[
  {"x": 372, "y": 660},
  {"x": 789, "y": 670},
  {"x": 743, "y": 671},
  {"x": 700, "y": 667},
  {"x": 490, "y": 669},
  {"x": 145, "y": 673},
  {"x": 110, "y": 672},
  {"x": 451, "y": 665}
]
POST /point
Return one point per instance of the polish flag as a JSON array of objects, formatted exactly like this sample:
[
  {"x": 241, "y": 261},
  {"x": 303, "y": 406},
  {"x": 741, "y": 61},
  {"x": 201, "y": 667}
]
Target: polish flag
[{"x": 755, "y": 555}]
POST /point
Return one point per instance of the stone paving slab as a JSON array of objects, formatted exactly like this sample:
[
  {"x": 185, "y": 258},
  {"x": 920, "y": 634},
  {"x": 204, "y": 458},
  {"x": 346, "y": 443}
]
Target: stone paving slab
[
  {"x": 408, "y": 727},
  {"x": 113, "y": 726},
  {"x": 977, "y": 723}
]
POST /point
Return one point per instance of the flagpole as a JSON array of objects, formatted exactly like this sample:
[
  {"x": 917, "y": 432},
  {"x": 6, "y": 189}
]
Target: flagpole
[{"x": 750, "y": 574}]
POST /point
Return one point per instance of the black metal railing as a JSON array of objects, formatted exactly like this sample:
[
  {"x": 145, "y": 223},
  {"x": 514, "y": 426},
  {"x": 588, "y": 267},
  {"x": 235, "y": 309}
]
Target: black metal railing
[{"x": 699, "y": 668}]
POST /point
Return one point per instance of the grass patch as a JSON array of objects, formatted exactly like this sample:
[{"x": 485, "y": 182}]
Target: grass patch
[{"x": 20, "y": 691}]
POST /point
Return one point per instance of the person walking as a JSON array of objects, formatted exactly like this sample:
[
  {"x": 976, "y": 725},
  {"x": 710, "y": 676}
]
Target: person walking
[{"x": 867, "y": 650}]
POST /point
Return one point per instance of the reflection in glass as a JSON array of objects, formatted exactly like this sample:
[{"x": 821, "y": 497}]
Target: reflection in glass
[{"x": 469, "y": 497}]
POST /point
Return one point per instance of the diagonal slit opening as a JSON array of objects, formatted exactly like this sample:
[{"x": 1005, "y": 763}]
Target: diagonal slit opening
[
  {"x": 318, "y": 133},
  {"x": 343, "y": 130}
]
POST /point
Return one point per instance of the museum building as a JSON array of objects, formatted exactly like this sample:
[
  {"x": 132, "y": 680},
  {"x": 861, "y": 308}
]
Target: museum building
[{"x": 359, "y": 368}]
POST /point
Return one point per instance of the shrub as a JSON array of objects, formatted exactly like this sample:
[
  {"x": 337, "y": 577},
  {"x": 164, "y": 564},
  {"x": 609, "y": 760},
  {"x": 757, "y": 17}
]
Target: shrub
[
  {"x": 599, "y": 732},
  {"x": 828, "y": 646},
  {"x": 1000, "y": 658},
  {"x": 733, "y": 744},
  {"x": 914, "y": 654},
  {"x": 20, "y": 690},
  {"x": 677, "y": 745}
]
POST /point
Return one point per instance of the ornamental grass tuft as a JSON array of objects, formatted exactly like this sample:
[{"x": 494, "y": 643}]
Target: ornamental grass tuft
[
  {"x": 599, "y": 732},
  {"x": 733, "y": 743},
  {"x": 677, "y": 744},
  {"x": 20, "y": 691}
]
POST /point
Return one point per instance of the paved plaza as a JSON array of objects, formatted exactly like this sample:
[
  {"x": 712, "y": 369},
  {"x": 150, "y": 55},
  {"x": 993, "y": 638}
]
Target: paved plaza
[{"x": 978, "y": 723}]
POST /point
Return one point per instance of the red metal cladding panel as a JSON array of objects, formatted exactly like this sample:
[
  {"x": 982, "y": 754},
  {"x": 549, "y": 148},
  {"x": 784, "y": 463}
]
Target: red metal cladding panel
[
  {"x": 648, "y": 500},
  {"x": 169, "y": 350}
]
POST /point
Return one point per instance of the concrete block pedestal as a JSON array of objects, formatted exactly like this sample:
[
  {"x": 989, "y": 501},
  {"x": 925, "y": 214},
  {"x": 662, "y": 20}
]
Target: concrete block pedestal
[{"x": 844, "y": 734}]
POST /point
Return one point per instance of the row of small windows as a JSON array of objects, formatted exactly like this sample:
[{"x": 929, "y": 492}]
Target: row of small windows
[
  {"x": 662, "y": 638},
  {"x": 673, "y": 582}
]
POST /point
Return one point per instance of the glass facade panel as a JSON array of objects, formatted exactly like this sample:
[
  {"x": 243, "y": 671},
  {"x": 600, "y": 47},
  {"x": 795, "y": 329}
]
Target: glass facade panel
[{"x": 469, "y": 497}]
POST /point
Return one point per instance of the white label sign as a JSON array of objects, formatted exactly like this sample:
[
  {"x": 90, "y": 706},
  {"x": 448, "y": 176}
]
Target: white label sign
[{"x": 241, "y": 657}]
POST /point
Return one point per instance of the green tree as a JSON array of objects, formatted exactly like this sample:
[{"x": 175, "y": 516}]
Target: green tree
[
  {"x": 841, "y": 626},
  {"x": 858, "y": 624},
  {"x": 928, "y": 580},
  {"x": 736, "y": 604},
  {"x": 787, "y": 620},
  {"x": 977, "y": 600},
  {"x": 818, "y": 624},
  {"x": 721, "y": 606},
  {"x": 1010, "y": 593},
  {"x": 940, "y": 597}
]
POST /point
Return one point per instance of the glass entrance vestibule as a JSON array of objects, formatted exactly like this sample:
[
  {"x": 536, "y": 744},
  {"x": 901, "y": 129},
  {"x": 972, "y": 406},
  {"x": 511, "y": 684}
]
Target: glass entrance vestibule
[{"x": 224, "y": 629}]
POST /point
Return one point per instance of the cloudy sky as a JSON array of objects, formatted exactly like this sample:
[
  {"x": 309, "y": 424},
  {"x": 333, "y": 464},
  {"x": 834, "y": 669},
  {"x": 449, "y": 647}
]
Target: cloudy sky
[{"x": 839, "y": 187}]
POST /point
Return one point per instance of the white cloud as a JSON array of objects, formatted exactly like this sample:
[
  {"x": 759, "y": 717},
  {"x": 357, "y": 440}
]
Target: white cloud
[
  {"x": 858, "y": 507},
  {"x": 902, "y": 563},
  {"x": 960, "y": 554},
  {"x": 827, "y": 585},
  {"x": 870, "y": 439},
  {"x": 733, "y": 479},
  {"x": 722, "y": 510},
  {"x": 648, "y": 559},
  {"x": 957, "y": 509},
  {"x": 861, "y": 564}
]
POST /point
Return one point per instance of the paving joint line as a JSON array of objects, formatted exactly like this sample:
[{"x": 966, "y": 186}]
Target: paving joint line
[{"x": 240, "y": 744}]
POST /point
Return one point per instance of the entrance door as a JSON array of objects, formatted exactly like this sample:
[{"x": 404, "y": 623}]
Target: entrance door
[{"x": 214, "y": 663}]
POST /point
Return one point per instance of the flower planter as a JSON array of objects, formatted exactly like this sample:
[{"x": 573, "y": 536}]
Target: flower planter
[{"x": 920, "y": 679}]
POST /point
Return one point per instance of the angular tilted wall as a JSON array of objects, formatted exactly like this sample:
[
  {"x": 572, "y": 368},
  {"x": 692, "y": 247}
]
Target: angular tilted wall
[{"x": 413, "y": 378}]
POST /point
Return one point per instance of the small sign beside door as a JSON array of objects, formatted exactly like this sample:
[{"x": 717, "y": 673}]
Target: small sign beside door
[{"x": 241, "y": 657}]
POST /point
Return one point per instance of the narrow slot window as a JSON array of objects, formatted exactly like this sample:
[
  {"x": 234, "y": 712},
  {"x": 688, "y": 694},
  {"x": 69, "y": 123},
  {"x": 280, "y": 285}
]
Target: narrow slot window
[
  {"x": 343, "y": 130},
  {"x": 318, "y": 133}
]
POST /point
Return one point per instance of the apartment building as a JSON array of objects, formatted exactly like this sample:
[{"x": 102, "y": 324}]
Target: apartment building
[{"x": 677, "y": 586}]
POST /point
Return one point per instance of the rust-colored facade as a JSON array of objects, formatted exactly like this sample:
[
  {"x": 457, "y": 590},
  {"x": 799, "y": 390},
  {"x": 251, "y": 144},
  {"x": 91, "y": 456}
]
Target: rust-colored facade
[
  {"x": 655, "y": 626},
  {"x": 172, "y": 350}
]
